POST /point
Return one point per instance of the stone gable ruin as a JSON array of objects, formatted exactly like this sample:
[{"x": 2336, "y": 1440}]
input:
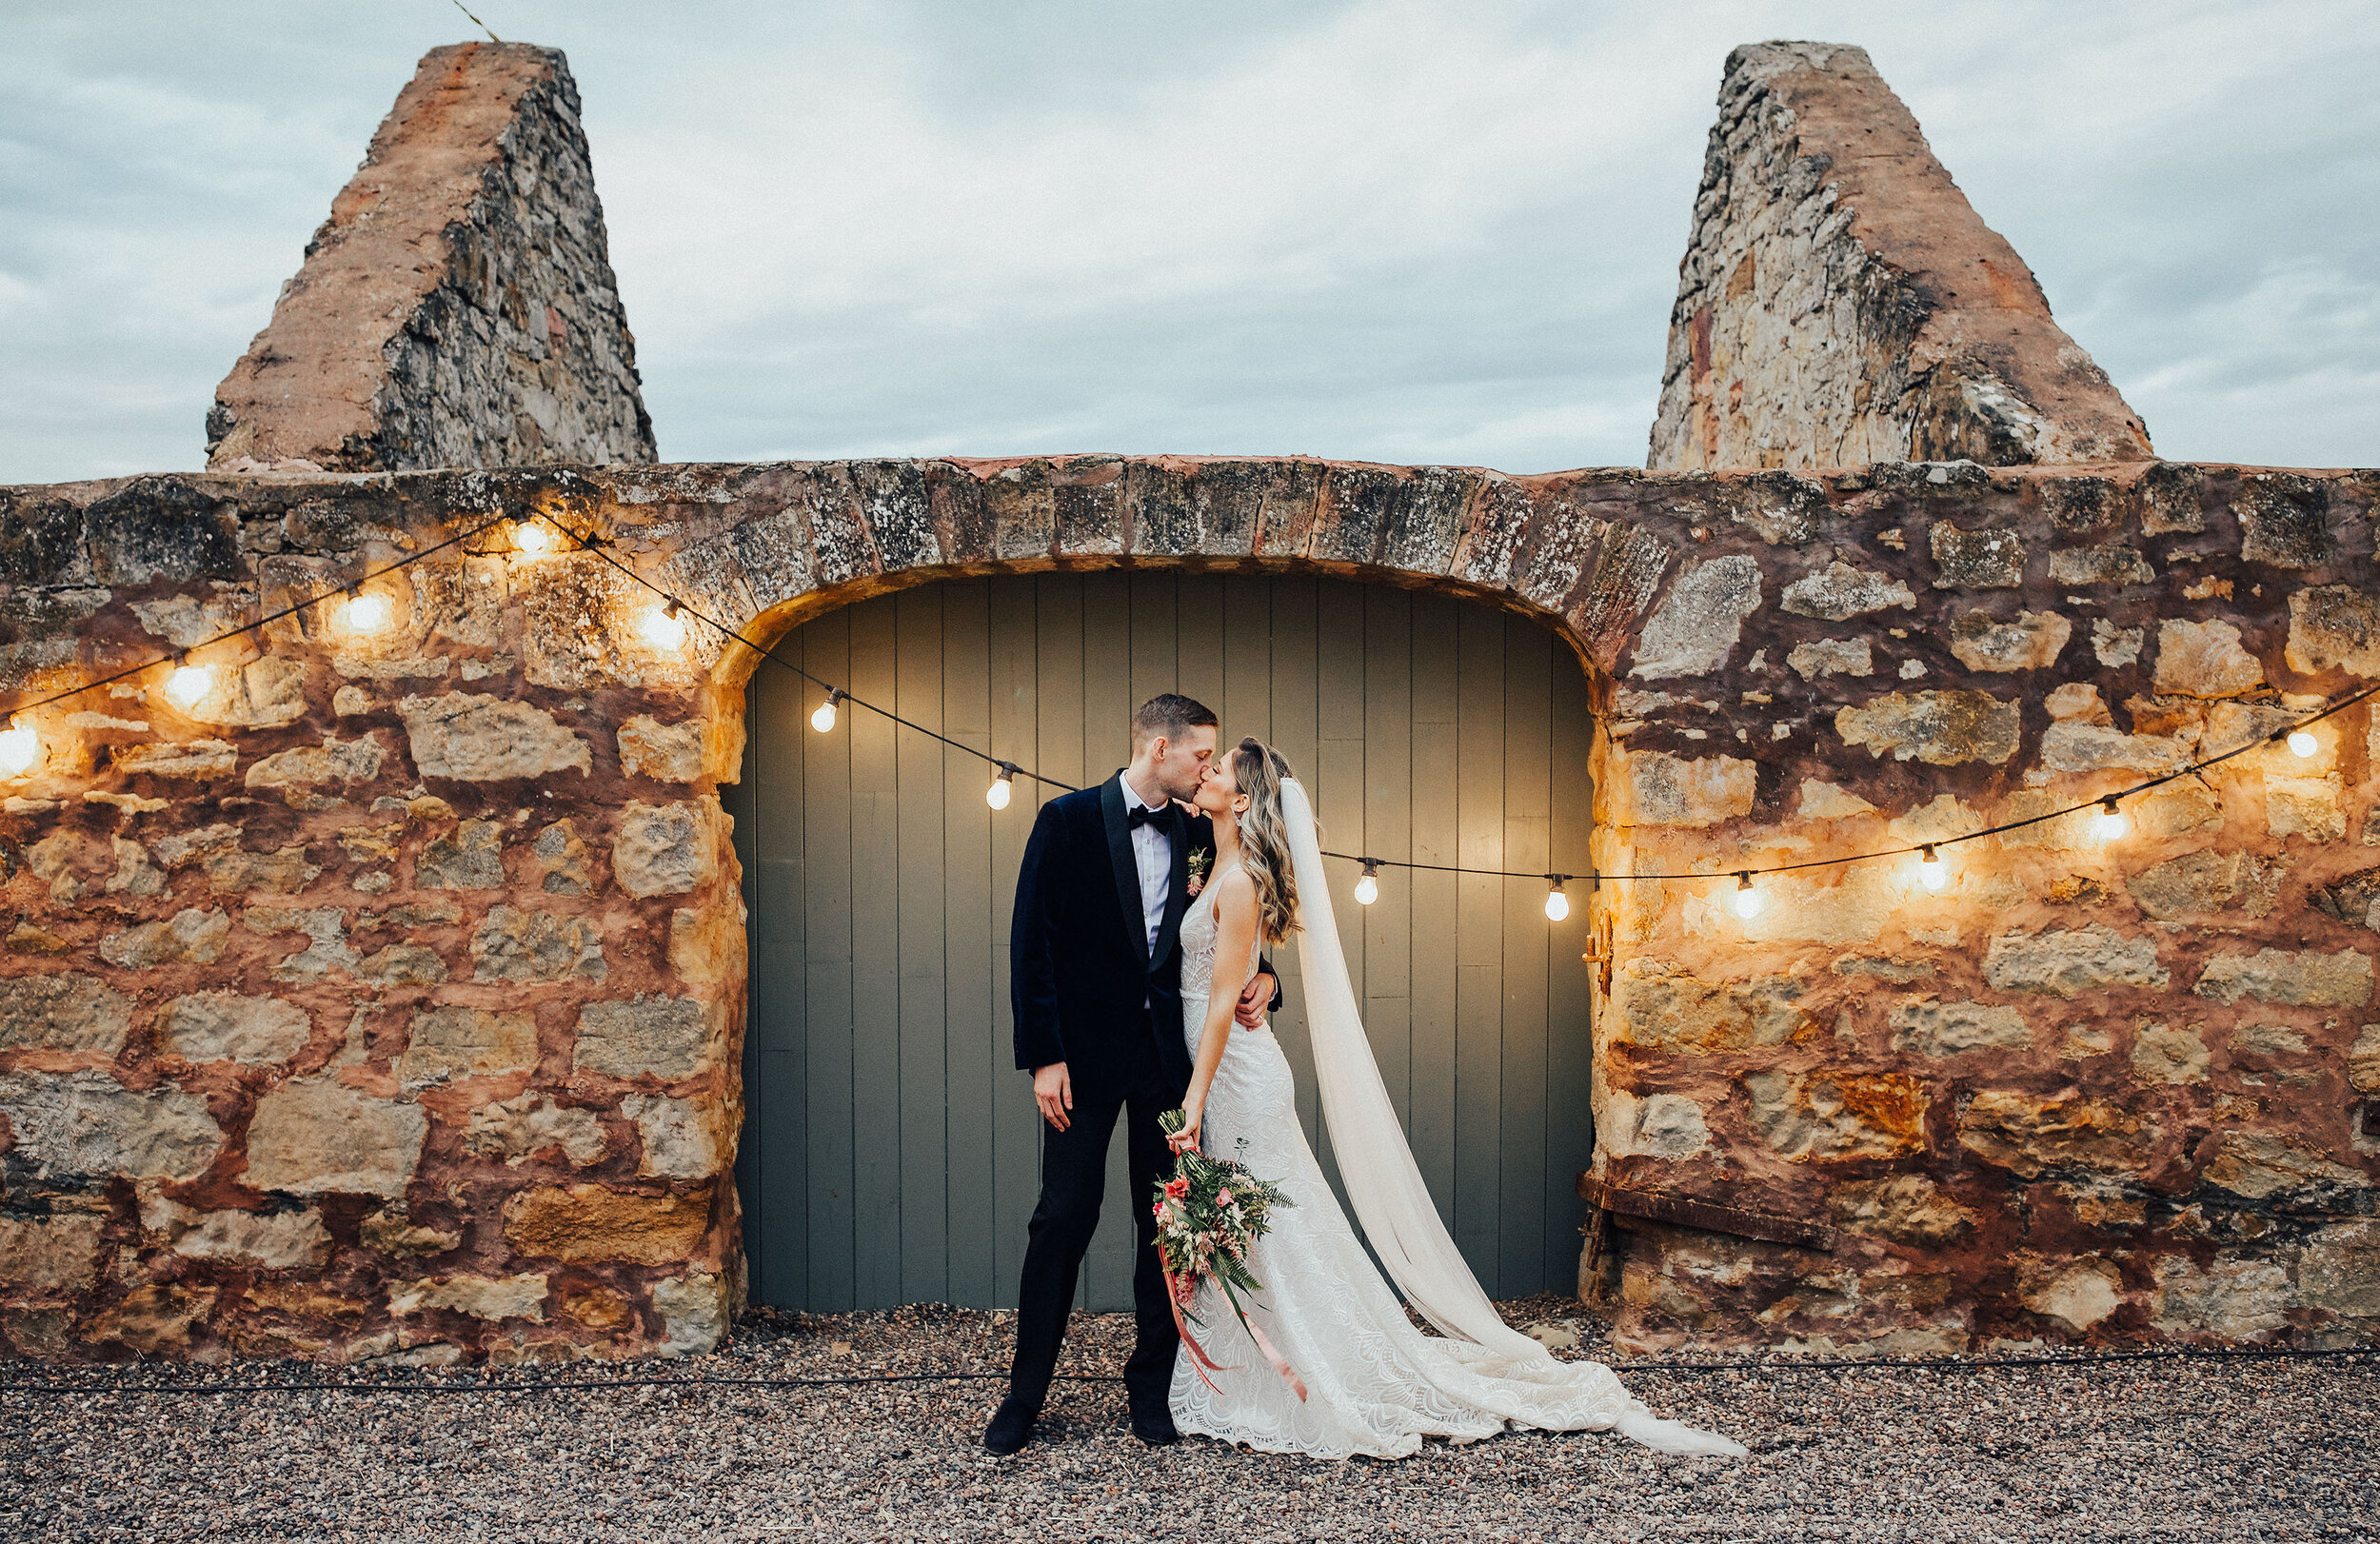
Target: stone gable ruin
[{"x": 378, "y": 994}]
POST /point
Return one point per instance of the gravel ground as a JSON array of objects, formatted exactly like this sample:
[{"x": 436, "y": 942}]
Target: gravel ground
[{"x": 2171, "y": 1451}]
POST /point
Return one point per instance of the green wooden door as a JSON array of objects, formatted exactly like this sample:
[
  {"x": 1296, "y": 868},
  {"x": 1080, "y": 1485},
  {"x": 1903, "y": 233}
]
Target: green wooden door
[{"x": 891, "y": 1153}]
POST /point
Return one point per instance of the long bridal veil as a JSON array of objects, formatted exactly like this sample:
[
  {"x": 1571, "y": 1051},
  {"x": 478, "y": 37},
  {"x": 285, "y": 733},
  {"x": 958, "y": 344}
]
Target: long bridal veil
[{"x": 1384, "y": 1185}]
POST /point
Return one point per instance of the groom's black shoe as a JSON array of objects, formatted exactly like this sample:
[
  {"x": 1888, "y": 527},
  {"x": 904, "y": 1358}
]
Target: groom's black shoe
[
  {"x": 1011, "y": 1427},
  {"x": 1153, "y": 1423}
]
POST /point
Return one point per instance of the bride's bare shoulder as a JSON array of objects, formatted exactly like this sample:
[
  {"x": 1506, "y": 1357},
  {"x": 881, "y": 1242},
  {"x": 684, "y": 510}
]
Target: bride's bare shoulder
[{"x": 1234, "y": 890}]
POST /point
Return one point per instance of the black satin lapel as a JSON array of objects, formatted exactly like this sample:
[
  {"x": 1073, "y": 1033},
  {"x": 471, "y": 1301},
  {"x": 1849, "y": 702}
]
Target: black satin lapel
[
  {"x": 1127, "y": 872},
  {"x": 1177, "y": 891}
]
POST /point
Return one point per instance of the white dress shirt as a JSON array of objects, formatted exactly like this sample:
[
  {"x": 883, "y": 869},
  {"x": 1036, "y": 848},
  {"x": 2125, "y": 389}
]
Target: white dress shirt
[{"x": 1153, "y": 855}]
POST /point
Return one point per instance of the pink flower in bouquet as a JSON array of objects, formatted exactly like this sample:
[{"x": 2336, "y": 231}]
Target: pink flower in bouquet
[
  {"x": 1177, "y": 1187},
  {"x": 1222, "y": 1197}
]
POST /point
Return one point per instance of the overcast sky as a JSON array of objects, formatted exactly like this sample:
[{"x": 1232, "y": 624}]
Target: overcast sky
[{"x": 1410, "y": 232}]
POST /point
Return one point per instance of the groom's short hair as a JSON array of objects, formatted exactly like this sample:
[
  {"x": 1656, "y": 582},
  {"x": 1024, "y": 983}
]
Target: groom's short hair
[{"x": 1168, "y": 714}]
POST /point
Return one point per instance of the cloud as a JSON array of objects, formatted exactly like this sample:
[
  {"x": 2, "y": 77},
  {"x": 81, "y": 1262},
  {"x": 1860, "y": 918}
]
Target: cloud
[{"x": 1399, "y": 231}]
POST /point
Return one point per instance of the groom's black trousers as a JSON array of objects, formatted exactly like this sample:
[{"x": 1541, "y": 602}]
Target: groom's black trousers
[{"x": 1074, "y": 1177}]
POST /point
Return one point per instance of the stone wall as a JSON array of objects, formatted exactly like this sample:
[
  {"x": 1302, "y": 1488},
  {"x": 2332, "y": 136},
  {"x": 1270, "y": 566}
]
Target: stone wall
[
  {"x": 385, "y": 1000},
  {"x": 1840, "y": 303},
  {"x": 458, "y": 307}
]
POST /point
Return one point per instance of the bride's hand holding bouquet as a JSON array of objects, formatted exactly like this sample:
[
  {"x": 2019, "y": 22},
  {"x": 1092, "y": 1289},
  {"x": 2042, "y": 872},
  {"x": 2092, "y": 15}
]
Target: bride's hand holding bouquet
[{"x": 1207, "y": 1215}]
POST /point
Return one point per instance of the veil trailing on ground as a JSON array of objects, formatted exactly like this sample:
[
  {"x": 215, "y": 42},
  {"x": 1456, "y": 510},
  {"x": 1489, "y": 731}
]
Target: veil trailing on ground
[{"x": 1375, "y": 1162}]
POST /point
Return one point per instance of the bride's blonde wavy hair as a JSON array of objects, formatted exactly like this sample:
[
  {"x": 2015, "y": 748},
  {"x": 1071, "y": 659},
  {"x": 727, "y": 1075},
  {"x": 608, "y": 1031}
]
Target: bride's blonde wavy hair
[{"x": 1260, "y": 771}]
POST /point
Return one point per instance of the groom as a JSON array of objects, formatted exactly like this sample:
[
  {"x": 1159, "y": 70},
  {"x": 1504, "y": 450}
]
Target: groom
[{"x": 1095, "y": 974}]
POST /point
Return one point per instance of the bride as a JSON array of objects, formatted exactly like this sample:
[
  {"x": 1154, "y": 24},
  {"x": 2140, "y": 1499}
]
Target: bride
[{"x": 1374, "y": 1384}]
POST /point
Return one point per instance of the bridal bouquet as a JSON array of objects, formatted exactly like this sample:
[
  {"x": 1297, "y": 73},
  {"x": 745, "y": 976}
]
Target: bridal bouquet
[{"x": 1207, "y": 1215}]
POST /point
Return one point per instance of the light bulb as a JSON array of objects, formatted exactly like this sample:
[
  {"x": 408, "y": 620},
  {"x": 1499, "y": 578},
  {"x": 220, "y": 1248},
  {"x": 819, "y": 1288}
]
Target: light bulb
[
  {"x": 20, "y": 749},
  {"x": 1368, "y": 887},
  {"x": 2110, "y": 823},
  {"x": 663, "y": 628},
  {"x": 2302, "y": 743},
  {"x": 1746, "y": 901},
  {"x": 823, "y": 719},
  {"x": 997, "y": 795},
  {"x": 532, "y": 537},
  {"x": 1556, "y": 903},
  {"x": 1932, "y": 872},
  {"x": 188, "y": 683},
  {"x": 365, "y": 613}
]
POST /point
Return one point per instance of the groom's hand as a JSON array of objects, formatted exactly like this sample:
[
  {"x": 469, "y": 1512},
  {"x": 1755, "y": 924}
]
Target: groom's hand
[
  {"x": 1254, "y": 1001},
  {"x": 1054, "y": 1091}
]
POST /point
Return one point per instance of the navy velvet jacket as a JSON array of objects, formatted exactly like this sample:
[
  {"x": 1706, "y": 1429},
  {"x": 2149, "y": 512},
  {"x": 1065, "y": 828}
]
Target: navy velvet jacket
[{"x": 1078, "y": 967}]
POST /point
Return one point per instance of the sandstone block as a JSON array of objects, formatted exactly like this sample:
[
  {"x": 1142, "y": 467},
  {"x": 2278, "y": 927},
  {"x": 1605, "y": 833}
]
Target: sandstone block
[
  {"x": 1839, "y": 592},
  {"x": 263, "y": 694},
  {"x": 193, "y": 936},
  {"x": 2309, "y": 978},
  {"x": 63, "y": 1012},
  {"x": 1930, "y": 1028},
  {"x": 198, "y": 758},
  {"x": 325, "y": 930},
  {"x": 314, "y": 1136},
  {"x": 2284, "y": 520},
  {"x": 2258, "y": 1166},
  {"x": 1835, "y": 1116},
  {"x": 2066, "y": 962},
  {"x": 2228, "y": 1300},
  {"x": 2164, "y": 1054},
  {"x": 707, "y": 944},
  {"x": 85, "y": 1125},
  {"x": 2309, "y": 807},
  {"x": 1982, "y": 642},
  {"x": 664, "y": 752},
  {"x": 2362, "y": 1060},
  {"x": 663, "y": 849},
  {"x": 370, "y": 844},
  {"x": 1941, "y": 728},
  {"x": 2091, "y": 747},
  {"x": 1656, "y": 789},
  {"x": 1832, "y": 657},
  {"x": 1905, "y": 1208},
  {"x": 473, "y": 739},
  {"x": 683, "y": 1138},
  {"x": 268, "y": 1240},
  {"x": 394, "y": 1232},
  {"x": 695, "y": 1313},
  {"x": 532, "y": 1124},
  {"x": 45, "y": 1255},
  {"x": 2339, "y": 1271},
  {"x": 2077, "y": 1297},
  {"x": 337, "y": 761},
  {"x": 2113, "y": 646},
  {"x": 562, "y": 859},
  {"x": 466, "y": 1042},
  {"x": 481, "y": 1297},
  {"x": 514, "y": 945},
  {"x": 1700, "y": 620},
  {"x": 2113, "y": 564},
  {"x": 155, "y": 1318},
  {"x": 2206, "y": 882},
  {"x": 1976, "y": 560},
  {"x": 1655, "y": 1002},
  {"x": 1841, "y": 907},
  {"x": 1826, "y": 802},
  {"x": 470, "y": 857},
  {"x": 226, "y": 1026},
  {"x": 2204, "y": 659},
  {"x": 2028, "y": 1132},
  {"x": 590, "y": 1222},
  {"x": 663, "y": 1037},
  {"x": 2334, "y": 628}
]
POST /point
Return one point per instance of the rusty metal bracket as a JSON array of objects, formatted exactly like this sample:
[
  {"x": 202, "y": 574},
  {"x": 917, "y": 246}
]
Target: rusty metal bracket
[{"x": 1708, "y": 1216}]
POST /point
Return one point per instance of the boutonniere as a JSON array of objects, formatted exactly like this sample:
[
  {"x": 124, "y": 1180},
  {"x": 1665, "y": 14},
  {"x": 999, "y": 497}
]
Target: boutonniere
[{"x": 1198, "y": 862}]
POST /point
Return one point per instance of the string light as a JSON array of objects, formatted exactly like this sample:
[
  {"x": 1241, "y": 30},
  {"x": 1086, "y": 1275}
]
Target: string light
[
  {"x": 823, "y": 719},
  {"x": 532, "y": 538},
  {"x": 2111, "y": 823},
  {"x": 1002, "y": 786},
  {"x": 1932, "y": 872},
  {"x": 20, "y": 748},
  {"x": 663, "y": 628},
  {"x": 1368, "y": 886},
  {"x": 188, "y": 683},
  {"x": 1746, "y": 901},
  {"x": 2303, "y": 744},
  {"x": 1556, "y": 903},
  {"x": 365, "y": 613}
]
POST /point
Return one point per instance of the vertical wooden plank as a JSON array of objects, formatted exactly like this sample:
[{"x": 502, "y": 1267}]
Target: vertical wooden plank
[
  {"x": 1569, "y": 981},
  {"x": 1017, "y": 659},
  {"x": 1479, "y": 936},
  {"x": 1436, "y": 840},
  {"x": 1297, "y": 734},
  {"x": 769, "y": 828},
  {"x": 1199, "y": 640},
  {"x": 1107, "y": 704},
  {"x": 1152, "y": 658},
  {"x": 1528, "y": 937},
  {"x": 1337, "y": 784},
  {"x": 1388, "y": 799},
  {"x": 920, "y": 774},
  {"x": 875, "y": 956},
  {"x": 966, "y": 946},
  {"x": 1248, "y": 704},
  {"x": 827, "y": 1042},
  {"x": 736, "y": 799}
]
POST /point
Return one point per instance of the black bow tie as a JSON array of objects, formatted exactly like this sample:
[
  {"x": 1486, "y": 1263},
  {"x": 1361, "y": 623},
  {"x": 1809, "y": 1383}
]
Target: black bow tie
[{"x": 1141, "y": 815}]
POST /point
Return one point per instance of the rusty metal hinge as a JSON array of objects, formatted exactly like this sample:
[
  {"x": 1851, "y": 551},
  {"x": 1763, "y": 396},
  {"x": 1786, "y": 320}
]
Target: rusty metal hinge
[{"x": 1708, "y": 1216}]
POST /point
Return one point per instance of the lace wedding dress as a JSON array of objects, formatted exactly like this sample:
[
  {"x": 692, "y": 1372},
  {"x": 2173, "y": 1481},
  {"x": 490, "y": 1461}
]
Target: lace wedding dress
[{"x": 1376, "y": 1384}]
